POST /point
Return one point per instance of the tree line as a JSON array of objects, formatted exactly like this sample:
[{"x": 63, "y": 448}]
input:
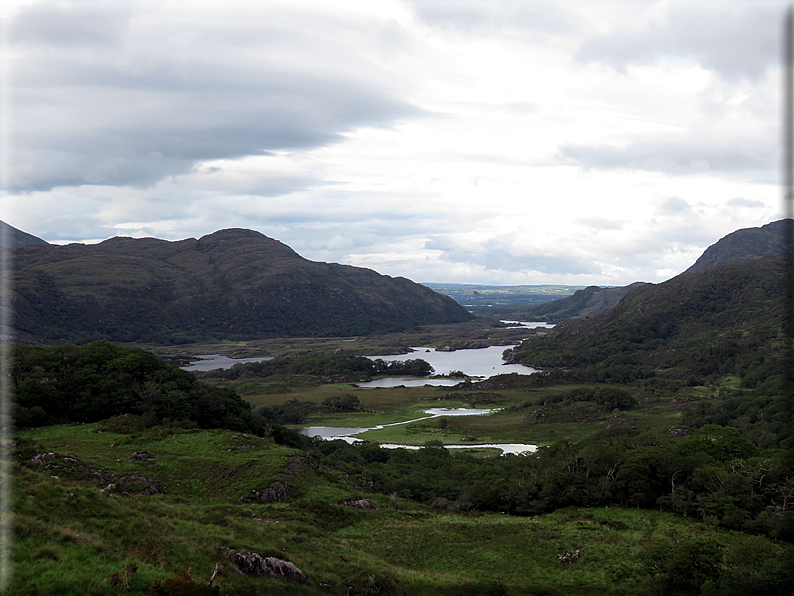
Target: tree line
[
  {"x": 96, "y": 381},
  {"x": 323, "y": 364}
]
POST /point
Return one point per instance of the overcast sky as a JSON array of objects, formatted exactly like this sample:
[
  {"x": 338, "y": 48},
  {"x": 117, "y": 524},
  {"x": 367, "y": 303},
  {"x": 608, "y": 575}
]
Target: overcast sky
[{"x": 500, "y": 142}]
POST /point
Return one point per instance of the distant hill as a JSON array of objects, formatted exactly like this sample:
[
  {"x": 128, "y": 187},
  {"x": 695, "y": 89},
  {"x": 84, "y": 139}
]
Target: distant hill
[
  {"x": 233, "y": 284},
  {"x": 583, "y": 303},
  {"x": 748, "y": 243},
  {"x": 11, "y": 237},
  {"x": 724, "y": 320}
]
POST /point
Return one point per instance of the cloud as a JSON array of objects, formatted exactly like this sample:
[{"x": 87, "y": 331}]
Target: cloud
[
  {"x": 599, "y": 223},
  {"x": 692, "y": 153},
  {"x": 71, "y": 24},
  {"x": 747, "y": 203},
  {"x": 674, "y": 206},
  {"x": 547, "y": 18},
  {"x": 736, "y": 39},
  {"x": 176, "y": 93},
  {"x": 505, "y": 254}
]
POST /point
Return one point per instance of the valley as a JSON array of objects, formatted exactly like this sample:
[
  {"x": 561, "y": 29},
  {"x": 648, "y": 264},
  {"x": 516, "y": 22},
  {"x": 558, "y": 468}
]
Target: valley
[{"x": 664, "y": 428}]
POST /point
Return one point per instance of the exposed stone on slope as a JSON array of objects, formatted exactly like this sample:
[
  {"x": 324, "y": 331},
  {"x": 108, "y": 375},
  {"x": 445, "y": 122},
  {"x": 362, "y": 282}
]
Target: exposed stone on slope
[
  {"x": 252, "y": 563},
  {"x": 274, "y": 492}
]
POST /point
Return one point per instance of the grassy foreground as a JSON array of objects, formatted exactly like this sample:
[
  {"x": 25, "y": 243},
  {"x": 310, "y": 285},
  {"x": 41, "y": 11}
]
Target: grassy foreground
[{"x": 182, "y": 497}]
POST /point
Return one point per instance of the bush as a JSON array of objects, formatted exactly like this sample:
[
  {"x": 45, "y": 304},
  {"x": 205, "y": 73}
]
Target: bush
[{"x": 346, "y": 403}]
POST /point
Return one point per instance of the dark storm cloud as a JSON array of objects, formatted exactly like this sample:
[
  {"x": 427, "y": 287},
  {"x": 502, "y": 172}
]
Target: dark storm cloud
[
  {"x": 737, "y": 39},
  {"x": 680, "y": 156},
  {"x": 169, "y": 98}
]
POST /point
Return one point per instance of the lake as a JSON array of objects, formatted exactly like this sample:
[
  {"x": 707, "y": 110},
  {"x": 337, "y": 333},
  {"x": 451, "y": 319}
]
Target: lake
[{"x": 479, "y": 362}]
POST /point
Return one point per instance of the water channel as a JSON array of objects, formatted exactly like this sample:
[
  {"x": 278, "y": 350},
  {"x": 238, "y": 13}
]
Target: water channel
[
  {"x": 212, "y": 361},
  {"x": 349, "y": 434}
]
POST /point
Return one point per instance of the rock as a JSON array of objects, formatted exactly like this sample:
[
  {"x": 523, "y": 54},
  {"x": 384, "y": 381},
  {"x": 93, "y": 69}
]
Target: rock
[
  {"x": 251, "y": 563},
  {"x": 39, "y": 459},
  {"x": 141, "y": 456},
  {"x": 274, "y": 492},
  {"x": 360, "y": 503},
  {"x": 140, "y": 485},
  {"x": 568, "y": 557}
]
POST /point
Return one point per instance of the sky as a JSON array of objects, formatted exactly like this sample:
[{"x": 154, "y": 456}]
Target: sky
[{"x": 506, "y": 142}]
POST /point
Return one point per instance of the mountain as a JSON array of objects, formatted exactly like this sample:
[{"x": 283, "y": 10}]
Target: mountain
[
  {"x": 722, "y": 321},
  {"x": 11, "y": 237},
  {"x": 583, "y": 303},
  {"x": 233, "y": 284},
  {"x": 748, "y": 243}
]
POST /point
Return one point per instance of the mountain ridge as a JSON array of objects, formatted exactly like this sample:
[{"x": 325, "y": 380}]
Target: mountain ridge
[
  {"x": 11, "y": 237},
  {"x": 233, "y": 283},
  {"x": 746, "y": 243}
]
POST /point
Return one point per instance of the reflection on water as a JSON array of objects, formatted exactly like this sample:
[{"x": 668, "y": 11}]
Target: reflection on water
[{"x": 348, "y": 434}]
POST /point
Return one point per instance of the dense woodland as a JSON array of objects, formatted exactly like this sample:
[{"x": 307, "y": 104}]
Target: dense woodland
[
  {"x": 326, "y": 365},
  {"x": 65, "y": 384}
]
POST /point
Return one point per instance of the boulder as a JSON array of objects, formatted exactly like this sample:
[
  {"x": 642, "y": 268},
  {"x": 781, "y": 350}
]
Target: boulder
[{"x": 252, "y": 563}]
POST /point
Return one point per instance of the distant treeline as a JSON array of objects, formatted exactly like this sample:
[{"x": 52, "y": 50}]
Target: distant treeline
[{"x": 325, "y": 365}]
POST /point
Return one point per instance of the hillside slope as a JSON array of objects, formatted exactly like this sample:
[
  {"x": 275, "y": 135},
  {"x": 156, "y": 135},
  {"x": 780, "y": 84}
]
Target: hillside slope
[
  {"x": 583, "y": 303},
  {"x": 747, "y": 243},
  {"x": 11, "y": 237},
  {"x": 232, "y": 284},
  {"x": 721, "y": 321}
]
